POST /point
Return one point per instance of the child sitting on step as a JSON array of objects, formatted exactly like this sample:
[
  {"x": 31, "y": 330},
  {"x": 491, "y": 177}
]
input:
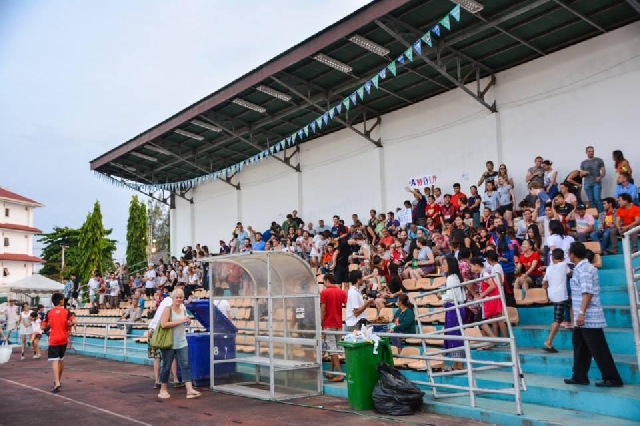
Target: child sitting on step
[{"x": 555, "y": 282}]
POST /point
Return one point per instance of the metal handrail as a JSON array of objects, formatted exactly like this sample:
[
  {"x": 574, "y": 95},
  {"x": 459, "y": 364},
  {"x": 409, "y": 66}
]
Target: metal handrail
[{"x": 632, "y": 285}]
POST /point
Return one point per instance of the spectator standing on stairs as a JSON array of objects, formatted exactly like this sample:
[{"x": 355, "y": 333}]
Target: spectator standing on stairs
[{"x": 588, "y": 335}]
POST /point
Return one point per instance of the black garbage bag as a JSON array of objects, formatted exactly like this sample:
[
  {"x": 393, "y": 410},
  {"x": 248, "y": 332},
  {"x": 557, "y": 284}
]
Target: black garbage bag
[{"x": 394, "y": 394}]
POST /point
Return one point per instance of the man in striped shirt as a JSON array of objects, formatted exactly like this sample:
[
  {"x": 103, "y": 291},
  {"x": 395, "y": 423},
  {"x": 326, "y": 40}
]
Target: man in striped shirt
[{"x": 588, "y": 335}]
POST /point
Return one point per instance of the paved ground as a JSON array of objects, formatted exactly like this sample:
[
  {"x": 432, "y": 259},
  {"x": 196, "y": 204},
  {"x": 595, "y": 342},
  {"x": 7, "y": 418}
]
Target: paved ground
[{"x": 101, "y": 392}]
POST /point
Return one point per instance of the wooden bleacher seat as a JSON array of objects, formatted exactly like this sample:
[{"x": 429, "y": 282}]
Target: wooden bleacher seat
[{"x": 410, "y": 284}]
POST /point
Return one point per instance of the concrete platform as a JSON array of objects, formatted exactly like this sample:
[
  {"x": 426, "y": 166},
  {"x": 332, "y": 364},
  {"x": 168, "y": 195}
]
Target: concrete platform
[{"x": 103, "y": 392}]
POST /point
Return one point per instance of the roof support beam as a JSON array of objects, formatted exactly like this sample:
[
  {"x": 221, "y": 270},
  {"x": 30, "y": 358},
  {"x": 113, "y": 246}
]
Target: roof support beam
[
  {"x": 248, "y": 141},
  {"x": 181, "y": 158},
  {"x": 581, "y": 16},
  {"x": 513, "y": 36},
  {"x": 322, "y": 110},
  {"x": 477, "y": 96},
  {"x": 634, "y": 4}
]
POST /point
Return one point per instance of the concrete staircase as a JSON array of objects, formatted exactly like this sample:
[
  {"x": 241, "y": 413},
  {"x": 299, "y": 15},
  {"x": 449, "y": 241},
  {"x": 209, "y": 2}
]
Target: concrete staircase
[{"x": 548, "y": 401}]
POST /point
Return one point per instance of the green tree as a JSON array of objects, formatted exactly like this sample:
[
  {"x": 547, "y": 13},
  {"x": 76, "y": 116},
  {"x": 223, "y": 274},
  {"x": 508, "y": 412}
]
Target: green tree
[
  {"x": 52, "y": 251},
  {"x": 159, "y": 221},
  {"x": 94, "y": 249},
  {"x": 137, "y": 228}
]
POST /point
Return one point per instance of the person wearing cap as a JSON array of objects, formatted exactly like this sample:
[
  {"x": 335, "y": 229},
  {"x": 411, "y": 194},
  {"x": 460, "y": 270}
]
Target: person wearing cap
[
  {"x": 584, "y": 223},
  {"x": 550, "y": 177}
]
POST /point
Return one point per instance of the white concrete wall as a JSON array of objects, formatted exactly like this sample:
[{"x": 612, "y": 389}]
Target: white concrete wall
[
  {"x": 554, "y": 107},
  {"x": 19, "y": 242},
  {"x": 19, "y": 214},
  {"x": 17, "y": 270}
]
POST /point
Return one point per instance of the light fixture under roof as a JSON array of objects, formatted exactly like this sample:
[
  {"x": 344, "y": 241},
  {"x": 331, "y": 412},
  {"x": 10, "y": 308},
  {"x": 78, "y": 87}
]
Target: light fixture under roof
[
  {"x": 369, "y": 45},
  {"x": 189, "y": 134},
  {"x": 333, "y": 63},
  {"x": 471, "y": 6},
  {"x": 144, "y": 156},
  {"x": 207, "y": 126},
  {"x": 158, "y": 149},
  {"x": 249, "y": 105},
  {"x": 272, "y": 92}
]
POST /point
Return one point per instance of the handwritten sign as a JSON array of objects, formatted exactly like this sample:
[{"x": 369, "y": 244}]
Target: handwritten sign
[{"x": 422, "y": 181}]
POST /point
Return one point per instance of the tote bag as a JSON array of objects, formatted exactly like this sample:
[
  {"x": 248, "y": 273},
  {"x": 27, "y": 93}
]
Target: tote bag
[{"x": 162, "y": 338}]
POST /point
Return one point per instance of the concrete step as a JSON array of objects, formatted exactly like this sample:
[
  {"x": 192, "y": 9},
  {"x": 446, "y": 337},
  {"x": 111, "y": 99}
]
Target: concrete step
[
  {"x": 537, "y": 361},
  {"x": 551, "y": 391},
  {"x": 616, "y": 316},
  {"x": 612, "y": 278},
  {"x": 500, "y": 412},
  {"x": 615, "y": 296},
  {"x": 620, "y": 340}
]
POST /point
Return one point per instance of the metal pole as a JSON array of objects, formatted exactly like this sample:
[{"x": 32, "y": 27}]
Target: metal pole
[
  {"x": 467, "y": 353},
  {"x": 632, "y": 289},
  {"x": 212, "y": 286},
  {"x": 272, "y": 380}
]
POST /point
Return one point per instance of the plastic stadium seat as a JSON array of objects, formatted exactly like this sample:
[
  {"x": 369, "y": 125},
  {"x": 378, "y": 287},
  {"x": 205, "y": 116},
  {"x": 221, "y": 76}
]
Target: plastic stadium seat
[
  {"x": 403, "y": 362},
  {"x": 512, "y": 313},
  {"x": 473, "y": 332},
  {"x": 372, "y": 314},
  {"x": 424, "y": 283},
  {"x": 387, "y": 312},
  {"x": 410, "y": 284},
  {"x": 593, "y": 212},
  {"x": 536, "y": 296},
  {"x": 320, "y": 279},
  {"x": 438, "y": 282},
  {"x": 421, "y": 365},
  {"x": 432, "y": 300},
  {"x": 594, "y": 246},
  {"x": 412, "y": 298},
  {"x": 427, "y": 317}
]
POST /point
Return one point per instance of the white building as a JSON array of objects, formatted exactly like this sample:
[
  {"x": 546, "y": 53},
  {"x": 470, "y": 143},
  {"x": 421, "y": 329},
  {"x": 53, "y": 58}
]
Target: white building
[{"x": 16, "y": 236}]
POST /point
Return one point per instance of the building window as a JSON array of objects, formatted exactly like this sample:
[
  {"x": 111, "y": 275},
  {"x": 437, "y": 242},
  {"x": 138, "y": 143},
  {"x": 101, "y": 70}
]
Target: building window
[
  {"x": 5, "y": 272},
  {"x": 6, "y": 212},
  {"x": 6, "y": 242}
]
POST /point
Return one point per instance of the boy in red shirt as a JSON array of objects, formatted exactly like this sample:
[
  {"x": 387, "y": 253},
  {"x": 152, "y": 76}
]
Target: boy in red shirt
[
  {"x": 60, "y": 321},
  {"x": 331, "y": 300}
]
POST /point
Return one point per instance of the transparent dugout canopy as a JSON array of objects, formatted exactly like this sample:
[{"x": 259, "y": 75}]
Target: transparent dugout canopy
[{"x": 275, "y": 305}]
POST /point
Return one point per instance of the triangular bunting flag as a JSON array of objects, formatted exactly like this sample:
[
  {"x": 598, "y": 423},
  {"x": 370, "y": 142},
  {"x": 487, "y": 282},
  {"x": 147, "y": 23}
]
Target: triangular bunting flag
[
  {"x": 409, "y": 54},
  {"x": 345, "y": 102},
  {"x": 293, "y": 139},
  {"x": 339, "y": 108},
  {"x": 306, "y": 130},
  {"x": 266, "y": 153},
  {"x": 417, "y": 46},
  {"x": 445, "y": 22},
  {"x": 277, "y": 147},
  {"x": 360, "y": 92},
  {"x": 455, "y": 12},
  {"x": 427, "y": 39},
  {"x": 325, "y": 118},
  {"x": 272, "y": 149},
  {"x": 383, "y": 73},
  {"x": 374, "y": 80},
  {"x": 436, "y": 29},
  {"x": 319, "y": 122},
  {"x": 300, "y": 133},
  {"x": 400, "y": 59},
  {"x": 332, "y": 111},
  {"x": 392, "y": 67},
  {"x": 282, "y": 144},
  {"x": 367, "y": 86},
  {"x": 288, "y": 142},
  {"x": 241, "y": 165},
  {"x": 313, "y": 126},
  {"x": 354, "y": 98}
]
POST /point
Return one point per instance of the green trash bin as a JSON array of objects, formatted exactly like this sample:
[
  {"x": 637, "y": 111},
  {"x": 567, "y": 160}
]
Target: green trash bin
[{"x": 362, "y": 374}]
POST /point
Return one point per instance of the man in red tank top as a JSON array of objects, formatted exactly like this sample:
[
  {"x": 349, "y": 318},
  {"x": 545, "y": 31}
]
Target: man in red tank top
[{"x": 59, "y": 320}]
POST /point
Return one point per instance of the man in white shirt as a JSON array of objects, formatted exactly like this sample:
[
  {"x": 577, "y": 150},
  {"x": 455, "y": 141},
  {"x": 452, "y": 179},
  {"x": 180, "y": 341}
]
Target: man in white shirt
[
  {"x": 93, "y": 286},
  {"x": 11, "y": 313},
  {"x": 356, "y": 306},
  {"x": 114, "y": 293},
  {"x": 150, "y": 281}
]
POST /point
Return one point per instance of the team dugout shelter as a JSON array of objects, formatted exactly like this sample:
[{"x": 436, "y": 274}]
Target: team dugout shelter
[{"x": 502, "y": 80}]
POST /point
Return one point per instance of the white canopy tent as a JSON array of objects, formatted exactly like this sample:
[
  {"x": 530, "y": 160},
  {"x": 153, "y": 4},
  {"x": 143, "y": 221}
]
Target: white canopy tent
[{"x": 34, "y": 284}]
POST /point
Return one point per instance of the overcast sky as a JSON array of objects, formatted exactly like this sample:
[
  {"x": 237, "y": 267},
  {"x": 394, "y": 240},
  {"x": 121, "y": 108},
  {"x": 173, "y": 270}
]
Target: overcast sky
[{"x": 78, "y": 78}]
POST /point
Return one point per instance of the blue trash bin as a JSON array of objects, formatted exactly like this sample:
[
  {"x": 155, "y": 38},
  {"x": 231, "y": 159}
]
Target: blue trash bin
[{"x": 224, "y": 344}]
